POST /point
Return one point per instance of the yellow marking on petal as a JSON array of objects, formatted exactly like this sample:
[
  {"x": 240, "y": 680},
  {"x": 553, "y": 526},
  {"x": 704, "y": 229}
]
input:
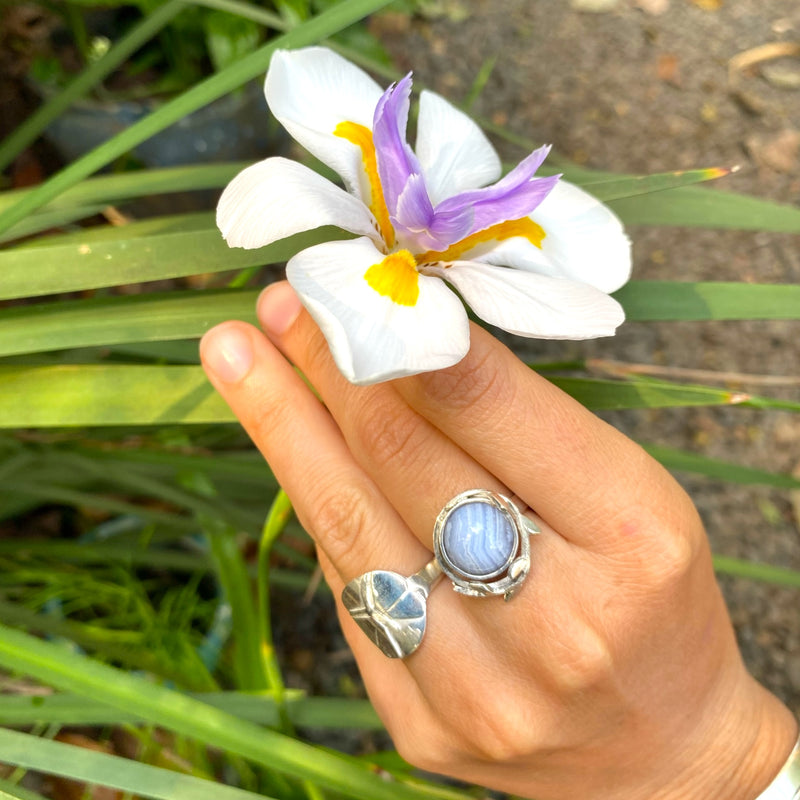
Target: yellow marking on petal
[
  {"x": 524, "y": 227},
  {"x": 361, "y": 137},
  {"x": 395, "y": 277}
]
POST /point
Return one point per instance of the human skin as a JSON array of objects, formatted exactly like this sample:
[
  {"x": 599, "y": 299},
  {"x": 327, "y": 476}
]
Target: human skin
[{"x": 614, "y": 672}]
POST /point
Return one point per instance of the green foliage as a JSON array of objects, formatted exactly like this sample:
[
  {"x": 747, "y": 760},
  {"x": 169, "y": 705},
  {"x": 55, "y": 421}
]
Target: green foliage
[{"x": 152, "y": 593}]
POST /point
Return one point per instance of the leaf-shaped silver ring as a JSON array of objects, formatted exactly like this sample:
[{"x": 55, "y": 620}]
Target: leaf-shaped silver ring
[{"x": 390, "y": 608}]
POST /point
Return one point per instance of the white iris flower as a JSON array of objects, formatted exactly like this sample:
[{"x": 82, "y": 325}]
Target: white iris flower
[{"x": 533, "y": 256}]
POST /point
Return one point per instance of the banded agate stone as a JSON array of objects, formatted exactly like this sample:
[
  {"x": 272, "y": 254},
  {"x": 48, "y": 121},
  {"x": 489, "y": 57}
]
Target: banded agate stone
[{"x": 479, "y": 540}]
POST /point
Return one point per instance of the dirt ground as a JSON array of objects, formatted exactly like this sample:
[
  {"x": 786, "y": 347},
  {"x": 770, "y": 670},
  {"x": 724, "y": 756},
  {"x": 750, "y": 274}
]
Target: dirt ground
[{"x": 645, "y": 87}]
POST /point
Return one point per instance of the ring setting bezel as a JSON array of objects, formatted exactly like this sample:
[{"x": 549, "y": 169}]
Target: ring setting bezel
[{"x": 506, "y": 579}]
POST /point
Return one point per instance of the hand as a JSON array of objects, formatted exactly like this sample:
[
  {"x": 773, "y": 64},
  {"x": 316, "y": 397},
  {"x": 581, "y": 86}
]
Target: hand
[{"x": 613, "y": 673}]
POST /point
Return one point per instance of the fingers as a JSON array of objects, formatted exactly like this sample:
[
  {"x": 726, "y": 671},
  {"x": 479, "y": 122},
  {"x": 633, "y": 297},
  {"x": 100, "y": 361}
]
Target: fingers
[
  {"x": 417, "y": 467},
  {"x": 335, "y": 499},
  {"x": 488, "y": 422},
  {"x": 591, "y": 483}
]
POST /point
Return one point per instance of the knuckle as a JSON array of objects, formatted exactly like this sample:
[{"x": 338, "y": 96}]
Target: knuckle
[
  {"x": 388, "y": 430},
  {"x": 588, "y": 666},
  {"x": 498, "y": 732},
  {"x": 477, "y": 381},
  {"x": 339, "y": 518},
  {"x": 660, "y": 551},
  {"x": 670, "y": 561},
  {"x": 433, "y": 752}
]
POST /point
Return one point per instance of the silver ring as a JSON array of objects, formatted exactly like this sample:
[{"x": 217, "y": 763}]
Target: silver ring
[
  {"x": 392, "y": 609},
  {"x": 481, "y": 540}
]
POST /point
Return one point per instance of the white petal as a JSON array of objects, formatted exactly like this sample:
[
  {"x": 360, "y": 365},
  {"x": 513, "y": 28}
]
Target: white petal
[
  {"x": 310, "y": 92},
  {"x": 277, "y": 197},
  {"x": 454, "y": 152},
  {"x": 534, "y": 305},
  {"x": 372, "y": 338},
  {"x": 585, "y": 240}
]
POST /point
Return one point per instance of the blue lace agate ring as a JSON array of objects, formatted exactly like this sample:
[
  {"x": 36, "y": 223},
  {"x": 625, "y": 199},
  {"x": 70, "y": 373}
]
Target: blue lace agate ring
[{"x": 481, "y": 541}]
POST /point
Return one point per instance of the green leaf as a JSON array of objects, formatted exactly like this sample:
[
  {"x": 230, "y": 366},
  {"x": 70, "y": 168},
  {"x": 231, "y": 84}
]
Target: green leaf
[
  {"x": 766, "y": 573},
  {"x": 170, "y": 316},
  {"x": 105, "y": 321},
  {"x": 682, "y": 461},
  {"x": 103, "y": 769},
  {"x": 261, "y": 708},
  {"x": 633, "y": 186},
  {"x": 238, "y": 592},
  {"x": 648, "y": 301},
  {"x": 11, "y": 791},
  {"x": 106, "y": 189},
  {"x": 45, "y": 219},
  {"x": 97, "y": 395},
  {"x": 32, "y": 271},
  {"x": 607, "y": 395},
  {"x": 57, "y": 666},
  {"x": 246, "y": 10},
  {"x": 107, "y": 395},
  {"x": 694, "y": 207},
  {"x": 229, "y": 38},
  {"x": 325, "y": 24}
]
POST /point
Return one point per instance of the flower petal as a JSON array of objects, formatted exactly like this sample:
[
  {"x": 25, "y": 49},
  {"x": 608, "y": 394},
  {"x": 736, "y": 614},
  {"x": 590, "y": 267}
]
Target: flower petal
[
  {"x": 396, "y": 160},
  {"x": 533, "y": 305},
  {"x": 514, "y": 196},
  {"x": 453, "y": 151},
  {"x": 584, "y": 241},
  {"x": 584, "y": 238},
  {"x": 311, "y": 91},
  {"x": 277, "y": 197},
  {"x": 372, "y": 338}
]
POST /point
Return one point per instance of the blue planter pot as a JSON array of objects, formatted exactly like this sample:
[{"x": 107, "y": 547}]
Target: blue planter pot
[{"x": 235, "y": 127}]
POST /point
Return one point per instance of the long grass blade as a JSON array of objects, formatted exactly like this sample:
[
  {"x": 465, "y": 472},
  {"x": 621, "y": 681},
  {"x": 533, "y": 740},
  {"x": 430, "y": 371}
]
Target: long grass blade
[
  {"x": 103, "y": 769},
  {"x": 682, "y": 461},
  {"x": 309, "y": 712},
  {"x": 608, "y": 395},
  {"x": 45, "y": 219},
  {"x": 105, "y": 189},
  {"x": 120, "y": 320},
  {"x": 334, "y": 19},
  {"x": 96, "y": 395},
  {"x": 32, "y": 271},
  {"x": 634, "y": 186},
  {"x": 694, "y": 207},
  {"x": 765, "y": 573},
  {"x": 54, "y": 665},
  {"x": 169, "y": 316},
  {"x": 12, "y": 791},
  {"x": 650, "y": 301},
  {"x": 107, "y": 395}
]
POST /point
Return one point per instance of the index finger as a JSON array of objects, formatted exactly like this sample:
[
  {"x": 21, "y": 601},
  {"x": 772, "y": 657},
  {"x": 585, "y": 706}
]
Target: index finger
[{"x": 586, "y": 479}]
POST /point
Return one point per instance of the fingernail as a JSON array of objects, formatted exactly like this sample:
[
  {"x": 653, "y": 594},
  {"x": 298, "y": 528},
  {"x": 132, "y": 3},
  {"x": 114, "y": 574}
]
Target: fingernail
[
  {"x": 278, "y": 307},
  {"x": 227, "y": 353}
]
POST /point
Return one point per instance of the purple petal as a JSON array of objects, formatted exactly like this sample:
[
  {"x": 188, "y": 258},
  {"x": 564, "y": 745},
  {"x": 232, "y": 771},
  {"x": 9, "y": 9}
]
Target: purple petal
[
  {"x": 396, "y": 160},
  {"x": 416, "y": 221},
  {"x": 513, "y": 197}
]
